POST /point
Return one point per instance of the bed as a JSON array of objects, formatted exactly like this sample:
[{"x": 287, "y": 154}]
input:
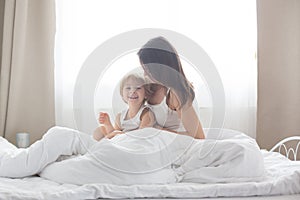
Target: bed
[{"x": 282, "y": 181}]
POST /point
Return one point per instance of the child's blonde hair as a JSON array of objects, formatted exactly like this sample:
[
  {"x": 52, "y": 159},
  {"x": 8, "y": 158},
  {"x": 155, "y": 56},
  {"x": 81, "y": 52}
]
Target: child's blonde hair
[{"x": 138, "y": 78}]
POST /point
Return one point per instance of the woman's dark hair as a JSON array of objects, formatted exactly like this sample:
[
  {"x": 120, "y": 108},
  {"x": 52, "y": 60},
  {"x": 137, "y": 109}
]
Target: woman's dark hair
[{"x": 162, "y": 64}]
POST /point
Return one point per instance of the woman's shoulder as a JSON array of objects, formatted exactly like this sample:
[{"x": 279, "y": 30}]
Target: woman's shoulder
[{"x": 157, "y": 96}]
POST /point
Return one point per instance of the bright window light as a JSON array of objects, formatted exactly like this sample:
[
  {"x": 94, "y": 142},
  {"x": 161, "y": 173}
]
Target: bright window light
[{"x": 226, "y": 30}]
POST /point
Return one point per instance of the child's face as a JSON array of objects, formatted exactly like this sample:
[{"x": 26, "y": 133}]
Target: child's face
[{"x": 133, "y": 92}]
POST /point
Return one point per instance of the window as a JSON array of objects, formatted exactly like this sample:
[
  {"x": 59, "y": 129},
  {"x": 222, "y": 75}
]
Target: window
[{"x": 226, "y": 30}]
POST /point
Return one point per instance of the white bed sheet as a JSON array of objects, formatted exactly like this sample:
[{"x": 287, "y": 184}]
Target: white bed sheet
[{"x": 283, "y": 178}]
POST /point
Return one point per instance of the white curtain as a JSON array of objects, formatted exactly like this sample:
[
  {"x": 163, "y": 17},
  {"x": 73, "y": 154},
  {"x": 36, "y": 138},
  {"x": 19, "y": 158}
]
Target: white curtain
[{"x": 226, "y": 30}]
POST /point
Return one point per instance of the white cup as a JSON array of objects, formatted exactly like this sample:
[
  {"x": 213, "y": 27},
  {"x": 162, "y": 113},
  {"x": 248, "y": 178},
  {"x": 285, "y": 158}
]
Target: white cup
[{"x": 23, "y": 140}]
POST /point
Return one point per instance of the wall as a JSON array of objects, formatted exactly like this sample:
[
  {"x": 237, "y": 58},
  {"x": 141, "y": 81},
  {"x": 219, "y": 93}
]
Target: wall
[{"x": 278, "y": 114}]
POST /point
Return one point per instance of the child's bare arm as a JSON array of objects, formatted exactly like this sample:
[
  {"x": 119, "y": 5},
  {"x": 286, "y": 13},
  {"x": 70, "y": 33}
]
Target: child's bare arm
[
  {"x": 99, "y": 133},
  {"x": 105, "y": 127},
  {"x": 117, "y": 128},
  {"x": 105, "y": 120},
  {"x": 113, "y": 134},
  {"x": 118, "y": 122},
  {"x": 147, "y": 118}
]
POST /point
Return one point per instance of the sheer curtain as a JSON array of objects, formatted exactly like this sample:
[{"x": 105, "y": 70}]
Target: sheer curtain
[{"x": 226, "y": 30}]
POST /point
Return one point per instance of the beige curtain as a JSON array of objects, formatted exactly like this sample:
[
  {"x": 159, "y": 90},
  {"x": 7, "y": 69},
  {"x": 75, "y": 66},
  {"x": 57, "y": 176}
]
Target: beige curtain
[
  {"x": 27, "y": 68},
  {"x": 2, "y": 3},
  {"x": 278, "y": 70}
]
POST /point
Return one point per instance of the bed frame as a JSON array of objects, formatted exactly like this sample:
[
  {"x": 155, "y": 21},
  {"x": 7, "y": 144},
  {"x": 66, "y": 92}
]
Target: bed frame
[{"x": 289, "y": 152}]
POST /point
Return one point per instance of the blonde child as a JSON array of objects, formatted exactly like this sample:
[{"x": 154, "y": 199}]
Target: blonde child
[{"x": 134, "y": 92}]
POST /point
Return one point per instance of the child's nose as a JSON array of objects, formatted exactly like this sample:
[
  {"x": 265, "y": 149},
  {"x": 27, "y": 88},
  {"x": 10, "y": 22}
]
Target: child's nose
[{"x": 132, "y": 90}]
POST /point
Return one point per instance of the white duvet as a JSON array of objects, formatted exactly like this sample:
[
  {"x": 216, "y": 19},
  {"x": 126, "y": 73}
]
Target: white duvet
[
  {"x": 145, "y": 156},
  {"x": 216, "y": 166},
  {"x": 149, "y": 156}
]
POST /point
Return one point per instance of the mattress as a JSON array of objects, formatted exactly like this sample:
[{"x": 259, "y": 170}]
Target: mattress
[{"x": 282, "y": 178}]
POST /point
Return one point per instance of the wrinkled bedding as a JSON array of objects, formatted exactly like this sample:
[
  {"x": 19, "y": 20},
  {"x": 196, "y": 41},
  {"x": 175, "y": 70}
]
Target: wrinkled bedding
[
  {"x": 145, "y": 156},
  {"x": 149, "y": 156},
  {"x": 282, "y": 177},
  {"x": 150, "y": 164}
]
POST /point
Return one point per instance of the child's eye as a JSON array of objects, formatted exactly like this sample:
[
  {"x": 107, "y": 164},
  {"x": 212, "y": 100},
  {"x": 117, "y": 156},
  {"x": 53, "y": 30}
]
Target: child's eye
[
  {"x": 138, "y": 88},
  {"x": 127, "y": 88}
]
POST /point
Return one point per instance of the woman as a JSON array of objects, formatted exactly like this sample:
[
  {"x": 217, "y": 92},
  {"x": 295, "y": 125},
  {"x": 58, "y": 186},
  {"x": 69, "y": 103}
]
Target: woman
[{"x": 173, "y": 94}]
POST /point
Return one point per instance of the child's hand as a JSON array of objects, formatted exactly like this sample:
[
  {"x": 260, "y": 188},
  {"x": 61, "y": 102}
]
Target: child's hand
[
  {"x": 104, "y": 118},
  {"x": 113, "y": 134},
  {"x": 157, "y": 126}
]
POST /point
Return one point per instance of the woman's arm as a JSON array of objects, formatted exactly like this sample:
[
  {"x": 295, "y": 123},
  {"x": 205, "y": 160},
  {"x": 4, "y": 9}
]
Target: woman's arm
[
  {"x": 188, "y": 117},
  {"x": 191, "y": 122}
]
